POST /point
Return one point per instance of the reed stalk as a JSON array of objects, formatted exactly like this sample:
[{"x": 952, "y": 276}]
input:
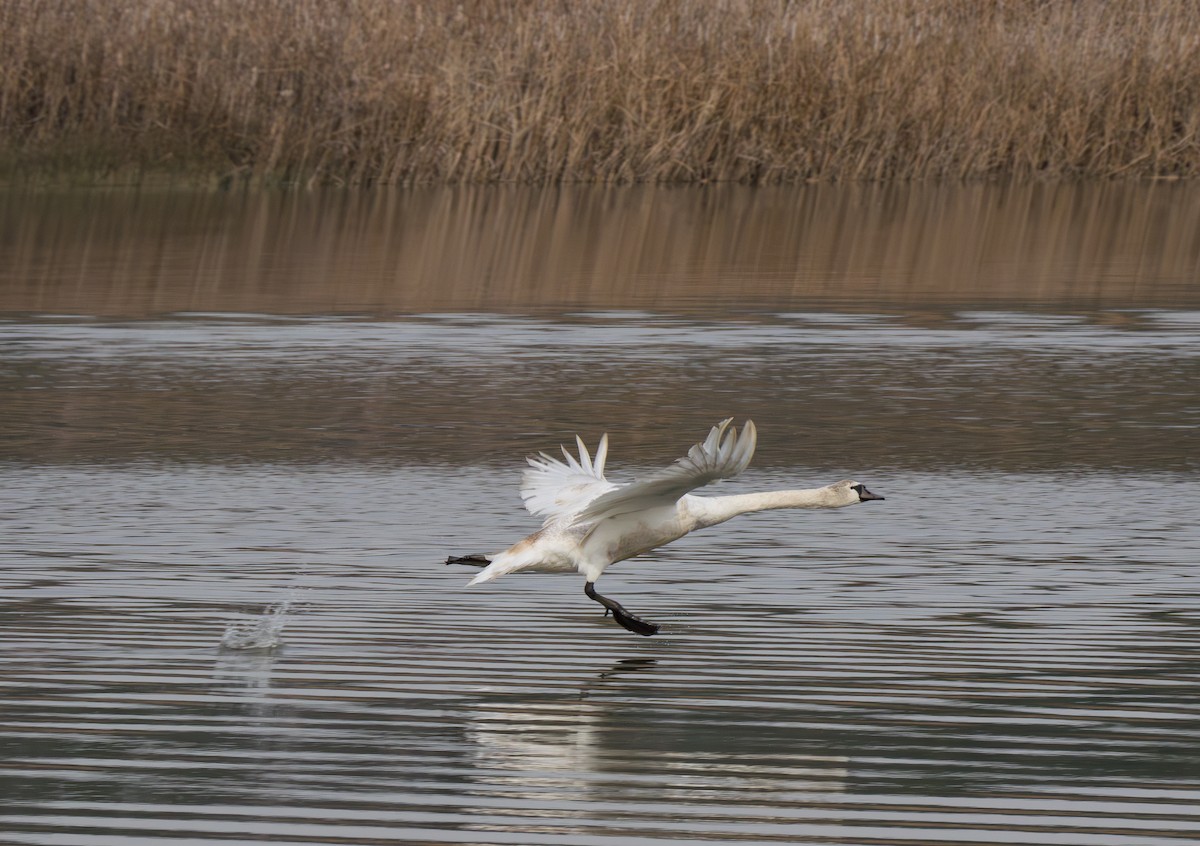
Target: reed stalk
[{"x": 544, "y": 91}]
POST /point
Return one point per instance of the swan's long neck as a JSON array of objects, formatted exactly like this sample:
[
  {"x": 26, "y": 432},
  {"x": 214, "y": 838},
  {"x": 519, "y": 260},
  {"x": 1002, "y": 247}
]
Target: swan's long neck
[{"x": 711, "y": 510}]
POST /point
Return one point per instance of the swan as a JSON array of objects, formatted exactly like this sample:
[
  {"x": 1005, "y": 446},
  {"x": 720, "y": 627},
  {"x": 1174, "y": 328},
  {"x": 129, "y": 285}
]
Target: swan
[{"x": 591, "y": 523}]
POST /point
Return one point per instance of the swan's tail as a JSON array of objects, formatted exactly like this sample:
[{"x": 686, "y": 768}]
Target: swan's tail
[
  {"x": 515, "y": 559},
  {"x": 495, "y": 568},
  {"x": 492, "y": 567},
  {"x": 534, "y": 554}
]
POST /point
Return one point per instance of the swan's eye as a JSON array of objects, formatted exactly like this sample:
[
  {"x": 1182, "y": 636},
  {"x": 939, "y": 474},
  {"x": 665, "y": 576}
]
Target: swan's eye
[{"x": 858, "y": 489}]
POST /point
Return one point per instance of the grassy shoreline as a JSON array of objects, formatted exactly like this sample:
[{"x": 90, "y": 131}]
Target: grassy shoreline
[{"x": 535, "y": 91}]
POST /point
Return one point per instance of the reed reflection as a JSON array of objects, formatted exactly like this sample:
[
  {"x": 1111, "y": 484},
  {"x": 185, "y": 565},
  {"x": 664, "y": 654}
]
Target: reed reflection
[{"x": 670, "y": 249}]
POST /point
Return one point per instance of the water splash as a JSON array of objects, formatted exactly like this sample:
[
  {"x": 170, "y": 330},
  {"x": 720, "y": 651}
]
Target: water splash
[{"x": 261, "y": 632}]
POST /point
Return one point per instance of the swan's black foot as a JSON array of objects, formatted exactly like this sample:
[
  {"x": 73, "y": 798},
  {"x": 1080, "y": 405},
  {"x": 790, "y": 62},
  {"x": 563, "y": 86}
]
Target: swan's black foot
[
  {"x": 636, "y": 624},
  {"x": 632, "y": 622},
  {"x": 469, "y": 560}
]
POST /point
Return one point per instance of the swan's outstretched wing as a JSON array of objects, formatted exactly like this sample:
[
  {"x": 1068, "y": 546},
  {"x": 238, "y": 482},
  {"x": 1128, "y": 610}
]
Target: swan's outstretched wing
[
  {"x": 554, "y": 489},
  {"x": 722, "y": 455}
]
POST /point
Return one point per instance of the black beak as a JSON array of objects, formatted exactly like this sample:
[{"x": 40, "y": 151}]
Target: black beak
[{"x": 865, "y": 495}]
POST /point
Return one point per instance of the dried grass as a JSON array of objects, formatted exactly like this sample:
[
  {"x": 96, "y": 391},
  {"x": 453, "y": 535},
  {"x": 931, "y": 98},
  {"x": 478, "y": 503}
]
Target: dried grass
[{"x": 759, "y": 91}]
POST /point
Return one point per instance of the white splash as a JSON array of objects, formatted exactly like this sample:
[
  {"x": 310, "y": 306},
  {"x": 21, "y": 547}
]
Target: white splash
[{"x": 261, "y": 632}]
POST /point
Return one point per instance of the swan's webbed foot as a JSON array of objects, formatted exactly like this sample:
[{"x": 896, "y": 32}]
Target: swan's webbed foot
[
  {"x": 632, "y": 622},
  {"x": 470, "y": 560}
]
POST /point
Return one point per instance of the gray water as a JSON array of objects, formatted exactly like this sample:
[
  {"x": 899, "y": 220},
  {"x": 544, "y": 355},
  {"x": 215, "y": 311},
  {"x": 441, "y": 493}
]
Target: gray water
[{"x": 224, "y": 615}]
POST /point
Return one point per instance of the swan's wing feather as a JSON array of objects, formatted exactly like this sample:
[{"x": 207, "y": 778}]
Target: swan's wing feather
[
  {"x": 722, "y": 455},
  {"x": 552, "y": 488}
]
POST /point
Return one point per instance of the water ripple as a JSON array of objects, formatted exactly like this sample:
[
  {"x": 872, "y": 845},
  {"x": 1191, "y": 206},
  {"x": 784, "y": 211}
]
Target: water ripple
[{"x": 1003, "y": 653}]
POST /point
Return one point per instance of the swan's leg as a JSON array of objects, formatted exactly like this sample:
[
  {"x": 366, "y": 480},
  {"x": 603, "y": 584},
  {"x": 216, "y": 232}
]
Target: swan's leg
[
  {"x": 470, "y": 560},
  {"x": 632, "y": 622}
]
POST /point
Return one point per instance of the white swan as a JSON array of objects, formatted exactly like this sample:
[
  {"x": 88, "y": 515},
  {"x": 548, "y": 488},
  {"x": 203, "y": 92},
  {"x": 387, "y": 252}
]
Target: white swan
[{"x": 592, "y": 523}]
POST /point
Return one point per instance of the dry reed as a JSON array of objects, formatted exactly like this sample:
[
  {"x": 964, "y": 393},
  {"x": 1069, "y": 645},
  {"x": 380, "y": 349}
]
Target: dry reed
[{"x": 759, "y": 91}]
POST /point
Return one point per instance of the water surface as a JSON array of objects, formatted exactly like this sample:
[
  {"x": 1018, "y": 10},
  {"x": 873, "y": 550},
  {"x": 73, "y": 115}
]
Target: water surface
[{"x": 1004, "y": 651}]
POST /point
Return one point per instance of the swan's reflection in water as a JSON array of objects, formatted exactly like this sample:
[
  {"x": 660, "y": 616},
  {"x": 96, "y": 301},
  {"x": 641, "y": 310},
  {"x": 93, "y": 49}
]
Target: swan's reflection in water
[
  {"x": 622, "y": 665},
  {"x": 625, "y": 732}
]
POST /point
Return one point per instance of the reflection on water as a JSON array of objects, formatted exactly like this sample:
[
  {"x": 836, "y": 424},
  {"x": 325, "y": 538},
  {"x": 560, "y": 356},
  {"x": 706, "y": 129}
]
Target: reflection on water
[
  {"x": 1003, "y": 652},
  {"x": 678, "y": 249}
]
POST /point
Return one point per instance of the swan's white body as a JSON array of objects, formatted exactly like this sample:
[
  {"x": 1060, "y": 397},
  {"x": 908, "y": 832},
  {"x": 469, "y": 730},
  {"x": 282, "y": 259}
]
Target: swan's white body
[{"x": 591, "y": 523}]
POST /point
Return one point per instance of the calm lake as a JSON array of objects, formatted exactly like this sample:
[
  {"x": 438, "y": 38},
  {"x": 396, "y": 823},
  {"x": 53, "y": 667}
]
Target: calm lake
[{"x": 240, "y": 433}]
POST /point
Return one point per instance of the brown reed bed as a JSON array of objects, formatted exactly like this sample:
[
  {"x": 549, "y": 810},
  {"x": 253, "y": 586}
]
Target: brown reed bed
[{"x": 760, "y": 91}]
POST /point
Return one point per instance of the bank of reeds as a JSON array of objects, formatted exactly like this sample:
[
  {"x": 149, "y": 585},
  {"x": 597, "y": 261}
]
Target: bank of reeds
[{"x": 379, "y": 91}]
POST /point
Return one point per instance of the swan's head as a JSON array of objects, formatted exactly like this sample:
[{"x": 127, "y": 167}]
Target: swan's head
[{"x": 849, "y": 492}]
